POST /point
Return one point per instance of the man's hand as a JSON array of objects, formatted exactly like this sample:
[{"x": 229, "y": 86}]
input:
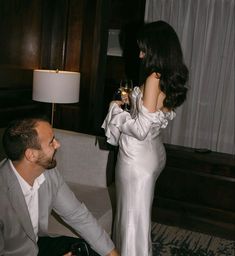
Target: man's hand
[{"x": 113, "y": 253}]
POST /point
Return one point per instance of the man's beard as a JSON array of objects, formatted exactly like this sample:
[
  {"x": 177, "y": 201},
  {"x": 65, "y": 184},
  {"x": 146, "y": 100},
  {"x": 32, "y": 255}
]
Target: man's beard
[
  {"x": 47, "y": 163},
  {"x": 52, "y": 164}
]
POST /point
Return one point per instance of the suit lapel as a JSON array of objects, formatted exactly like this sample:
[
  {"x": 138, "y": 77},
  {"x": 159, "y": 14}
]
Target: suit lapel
[
  {"x": 18, "y": 202},
  {"x": 43, "y": 207}
]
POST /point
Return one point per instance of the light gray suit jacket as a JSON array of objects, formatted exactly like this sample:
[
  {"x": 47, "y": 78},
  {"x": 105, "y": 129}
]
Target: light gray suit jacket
[{"x": 16, "y": 231}]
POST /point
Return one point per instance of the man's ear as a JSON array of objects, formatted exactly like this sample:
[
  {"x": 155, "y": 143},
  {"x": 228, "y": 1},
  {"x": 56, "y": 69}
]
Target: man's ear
[{"x": 31, "y": 154}]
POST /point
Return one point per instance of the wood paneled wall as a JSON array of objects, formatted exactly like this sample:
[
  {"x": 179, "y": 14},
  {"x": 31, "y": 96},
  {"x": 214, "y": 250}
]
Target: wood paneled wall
[
  {"x": 55, "y": 34},
  {"x": 20, "y": 28},
  {"x": 67, "y": 35}
]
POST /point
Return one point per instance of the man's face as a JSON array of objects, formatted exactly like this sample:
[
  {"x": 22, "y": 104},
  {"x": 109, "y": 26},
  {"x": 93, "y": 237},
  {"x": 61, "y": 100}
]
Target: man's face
[{"x": 49, "y": 145}]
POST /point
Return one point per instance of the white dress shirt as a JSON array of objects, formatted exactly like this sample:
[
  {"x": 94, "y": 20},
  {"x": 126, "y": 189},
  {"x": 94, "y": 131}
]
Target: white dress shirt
[{"x": 31, "y": 197}]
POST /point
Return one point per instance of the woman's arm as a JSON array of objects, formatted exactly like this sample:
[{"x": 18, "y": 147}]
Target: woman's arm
[
  {"x": 118, "y": 121},
  {"x": 151, "y": 93}
]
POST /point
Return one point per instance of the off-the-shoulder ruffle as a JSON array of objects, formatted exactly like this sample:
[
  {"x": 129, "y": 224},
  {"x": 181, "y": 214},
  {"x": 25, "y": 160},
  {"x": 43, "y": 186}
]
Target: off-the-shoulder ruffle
[
  {"x": 158, "y": 118},
  {"x": 137, "y": 124}
]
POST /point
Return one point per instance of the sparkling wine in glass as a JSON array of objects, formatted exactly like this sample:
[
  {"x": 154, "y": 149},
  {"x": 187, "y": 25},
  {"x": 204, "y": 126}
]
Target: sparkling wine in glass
[{"x": 126, "y": 86}]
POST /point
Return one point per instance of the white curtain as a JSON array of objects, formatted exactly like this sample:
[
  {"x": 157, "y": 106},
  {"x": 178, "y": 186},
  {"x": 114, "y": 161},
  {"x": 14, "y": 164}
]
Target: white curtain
[{"x": 206, "y": 31}]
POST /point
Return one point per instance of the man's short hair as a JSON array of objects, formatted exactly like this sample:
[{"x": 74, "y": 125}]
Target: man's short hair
[{"x": 20, "y": 135}]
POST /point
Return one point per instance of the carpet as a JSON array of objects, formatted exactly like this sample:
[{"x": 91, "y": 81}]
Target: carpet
[{"x": 174, "y": 241}]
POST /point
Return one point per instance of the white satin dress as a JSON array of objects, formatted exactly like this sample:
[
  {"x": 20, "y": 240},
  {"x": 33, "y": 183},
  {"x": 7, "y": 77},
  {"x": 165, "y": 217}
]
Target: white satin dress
[{"x": 141, "y": 158}]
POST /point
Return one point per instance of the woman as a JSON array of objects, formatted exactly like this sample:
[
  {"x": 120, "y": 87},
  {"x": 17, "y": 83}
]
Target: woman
[{"x": 141, "y": 156}]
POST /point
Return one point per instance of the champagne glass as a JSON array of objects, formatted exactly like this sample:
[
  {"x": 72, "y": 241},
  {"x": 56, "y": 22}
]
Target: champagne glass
[{"x": 126, "y": 86}]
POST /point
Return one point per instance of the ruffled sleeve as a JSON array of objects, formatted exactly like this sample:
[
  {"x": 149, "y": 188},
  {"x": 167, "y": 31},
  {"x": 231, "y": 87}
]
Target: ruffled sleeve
[
  {"x": 115, "y": 118},
  {"x": 138, "y": 125}
]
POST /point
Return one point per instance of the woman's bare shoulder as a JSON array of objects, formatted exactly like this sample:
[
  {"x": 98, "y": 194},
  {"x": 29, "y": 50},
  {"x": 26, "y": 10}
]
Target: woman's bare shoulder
[{"x": 153, "y": 77}]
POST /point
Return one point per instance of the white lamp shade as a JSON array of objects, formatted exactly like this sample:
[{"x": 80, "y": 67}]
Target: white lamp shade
[{"x": 56, "y": 86}]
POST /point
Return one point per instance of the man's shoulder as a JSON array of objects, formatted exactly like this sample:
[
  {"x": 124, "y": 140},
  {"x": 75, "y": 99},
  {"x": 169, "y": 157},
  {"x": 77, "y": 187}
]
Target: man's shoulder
[
  {"x": 4, "y": 166},
  {"x": 4, "y": 173},
  {"x": 53, "y": 181},
  {"x": 53, "y": 175},
  {"x": 50, "y": 173},
  {"x": 3, "y": 163}
]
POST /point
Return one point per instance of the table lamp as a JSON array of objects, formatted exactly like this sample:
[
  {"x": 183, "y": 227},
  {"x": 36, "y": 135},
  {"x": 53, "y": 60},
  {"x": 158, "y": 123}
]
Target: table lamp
[{"x": 55, "y": 86}]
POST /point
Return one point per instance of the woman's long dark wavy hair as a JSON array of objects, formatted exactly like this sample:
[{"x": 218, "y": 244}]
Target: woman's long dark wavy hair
[{"x": 163, "y": 54}]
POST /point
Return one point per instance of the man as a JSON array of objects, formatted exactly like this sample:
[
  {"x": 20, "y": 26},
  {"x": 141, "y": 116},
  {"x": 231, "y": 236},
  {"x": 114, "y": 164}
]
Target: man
[{"x": 31, "y": 187}]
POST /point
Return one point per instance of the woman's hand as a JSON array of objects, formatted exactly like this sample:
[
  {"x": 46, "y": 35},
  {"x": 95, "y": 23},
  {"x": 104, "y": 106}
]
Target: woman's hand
[
  {"x": 118, "y": 102},
  {"x": 125, "y": 98},
  {"x": 68, "y": 254},
  {"x": 112, "y": 253}
]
